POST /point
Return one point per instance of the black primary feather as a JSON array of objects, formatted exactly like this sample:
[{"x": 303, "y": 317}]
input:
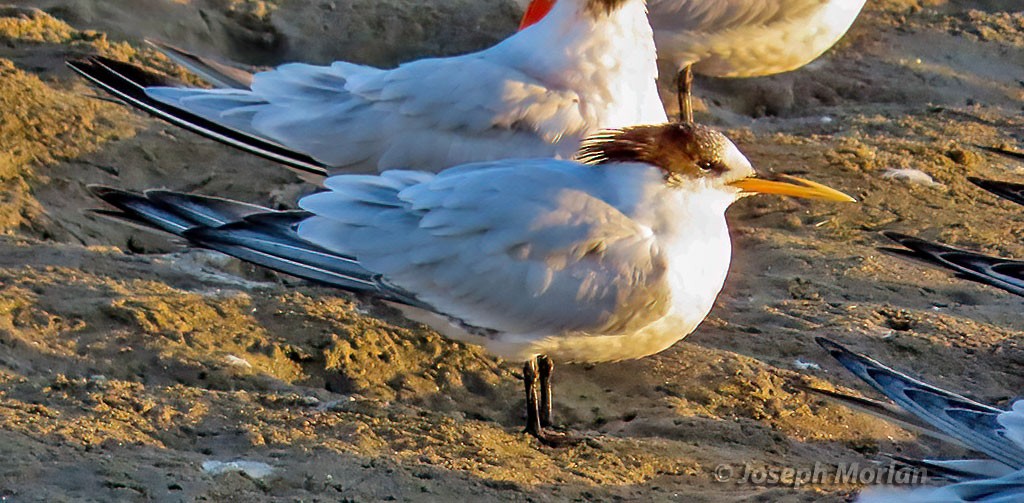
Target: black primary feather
[
  {"x": 251, "y": 233},
  {"x": 128, "y": 83},
  {"x": 1006, "y": 190}
]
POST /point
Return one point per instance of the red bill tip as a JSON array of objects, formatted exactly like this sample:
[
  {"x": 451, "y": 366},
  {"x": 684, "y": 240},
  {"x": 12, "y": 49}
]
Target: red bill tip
[{"x": 535, "y": 12}]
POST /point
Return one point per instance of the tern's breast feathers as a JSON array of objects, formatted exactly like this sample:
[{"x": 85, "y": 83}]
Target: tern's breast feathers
[{"x": 521, "y": 247}]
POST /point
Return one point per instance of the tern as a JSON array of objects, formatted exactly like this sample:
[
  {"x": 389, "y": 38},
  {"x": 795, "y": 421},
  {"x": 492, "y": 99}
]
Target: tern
[
  {"x": 736, "y": 38},
  {"x": 590, "y": 65},
  {"x": 1004, "y": 273},
  {"x": 997, "y": 433},
  {"x": 614, "y": 256}
]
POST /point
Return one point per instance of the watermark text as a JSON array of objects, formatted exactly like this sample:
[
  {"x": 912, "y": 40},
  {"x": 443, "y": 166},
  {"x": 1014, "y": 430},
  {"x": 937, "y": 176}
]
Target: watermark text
[{"x": 820, "y": 474}]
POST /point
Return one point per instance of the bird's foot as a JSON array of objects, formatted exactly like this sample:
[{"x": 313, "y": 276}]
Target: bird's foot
[{"x": 556, "y": 439}]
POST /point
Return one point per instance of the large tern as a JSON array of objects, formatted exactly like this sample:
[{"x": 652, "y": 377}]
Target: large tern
[
  {"x": 997, "y": 433},
  {"x": 589, "y": 65},
  {"x": 737, "y": 38},
  {"x": 615, "y": 256}
]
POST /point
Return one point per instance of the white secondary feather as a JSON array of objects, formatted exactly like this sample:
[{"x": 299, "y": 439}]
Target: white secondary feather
[
  {"x": 748, "y": 38},
  {"x": 535, "y": 257},
  {"x": 536, "y": 94}
]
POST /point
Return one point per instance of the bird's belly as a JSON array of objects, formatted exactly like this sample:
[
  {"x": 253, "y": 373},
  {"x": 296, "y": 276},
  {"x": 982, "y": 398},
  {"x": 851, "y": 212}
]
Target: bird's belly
[
  {"x": 761, "y": 50},
  {"x": 694, "y": 290},
  {"x": 586, "y": 348}
]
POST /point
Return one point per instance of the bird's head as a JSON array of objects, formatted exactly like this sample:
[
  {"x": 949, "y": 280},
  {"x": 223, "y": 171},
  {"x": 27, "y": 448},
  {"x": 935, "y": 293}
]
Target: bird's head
[{"x": 693, "y": 155}]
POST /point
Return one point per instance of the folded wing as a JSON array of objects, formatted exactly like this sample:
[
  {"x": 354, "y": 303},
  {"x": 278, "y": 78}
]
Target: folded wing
[
  {"x": 521, "y": 247},
  {"x": 429, "y": 114},
  {"x": 518, "y": 247}
]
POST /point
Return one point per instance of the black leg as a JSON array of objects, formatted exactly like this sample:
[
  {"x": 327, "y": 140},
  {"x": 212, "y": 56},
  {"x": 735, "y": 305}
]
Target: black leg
[
  {"x": 545, "y": 367},
  {"x": 532, "y": 405},
  {"x": 531, "y": 375},
  {"x": 684, "y": 85}
]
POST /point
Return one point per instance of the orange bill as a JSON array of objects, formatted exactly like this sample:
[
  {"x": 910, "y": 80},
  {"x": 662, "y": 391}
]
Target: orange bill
[
  {"x": 535, "y": 12},
  {"x": 791, "y": 186}
]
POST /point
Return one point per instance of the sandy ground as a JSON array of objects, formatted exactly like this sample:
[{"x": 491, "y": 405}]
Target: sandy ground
[{"x": 127, "y": 363}]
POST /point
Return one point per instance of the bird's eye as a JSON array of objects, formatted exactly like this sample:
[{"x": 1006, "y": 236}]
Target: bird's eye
[{"x": 710, "y": 166}]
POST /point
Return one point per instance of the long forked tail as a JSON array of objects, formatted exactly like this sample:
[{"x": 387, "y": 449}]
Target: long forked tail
[
  {"x": 248, "y": 232},
  {"x": 971, "y": 423},
  {"x": 1001, "y": 273},
  {"x": 128, "y": 83}
]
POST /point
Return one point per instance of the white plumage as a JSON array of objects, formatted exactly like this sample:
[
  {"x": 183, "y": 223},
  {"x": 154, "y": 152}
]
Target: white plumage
[
  {"x": 536, "y": 94},
  {"x": 748, "y": 38},
  {"x": 549, "y": 257},
  {"x": 538, "y": 260}
]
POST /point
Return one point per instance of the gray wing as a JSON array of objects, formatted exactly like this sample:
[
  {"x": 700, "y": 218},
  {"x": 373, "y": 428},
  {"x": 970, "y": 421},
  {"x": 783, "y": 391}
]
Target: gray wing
[
  {"x": 429, "y": 114},
  {"x": 995, "y": 432},
  {"x": 521, "y": 247}
]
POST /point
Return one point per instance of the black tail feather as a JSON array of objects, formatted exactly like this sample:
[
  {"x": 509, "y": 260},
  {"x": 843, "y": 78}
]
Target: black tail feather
[
  {"x": 127, "y": 82},
  {"x": 1006, "y": 190},
  {"x": 1012, "y": 154},
  {"x": 999, "y": 272},
  {"x": 248, "y": 232}
]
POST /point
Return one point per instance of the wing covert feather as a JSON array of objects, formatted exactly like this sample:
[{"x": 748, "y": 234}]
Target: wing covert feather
[
  {"x": 416, "y": 116},
  {"x": 492, "y": 246}
]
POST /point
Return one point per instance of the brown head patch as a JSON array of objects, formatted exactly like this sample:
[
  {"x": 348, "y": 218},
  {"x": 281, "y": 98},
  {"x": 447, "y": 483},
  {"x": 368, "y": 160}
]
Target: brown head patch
[{"x": 680, "y": 149}]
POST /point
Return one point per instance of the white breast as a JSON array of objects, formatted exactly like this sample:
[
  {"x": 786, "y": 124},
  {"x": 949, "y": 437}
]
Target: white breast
[{"x": 692, "y": 230}]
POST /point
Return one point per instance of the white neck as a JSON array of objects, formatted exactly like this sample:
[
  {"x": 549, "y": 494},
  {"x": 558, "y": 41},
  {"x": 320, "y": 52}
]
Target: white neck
[
  {"x": 692, "y": 231},
  {"x": 609, "y": 59},
  {"x": 699, "y": 250}
]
